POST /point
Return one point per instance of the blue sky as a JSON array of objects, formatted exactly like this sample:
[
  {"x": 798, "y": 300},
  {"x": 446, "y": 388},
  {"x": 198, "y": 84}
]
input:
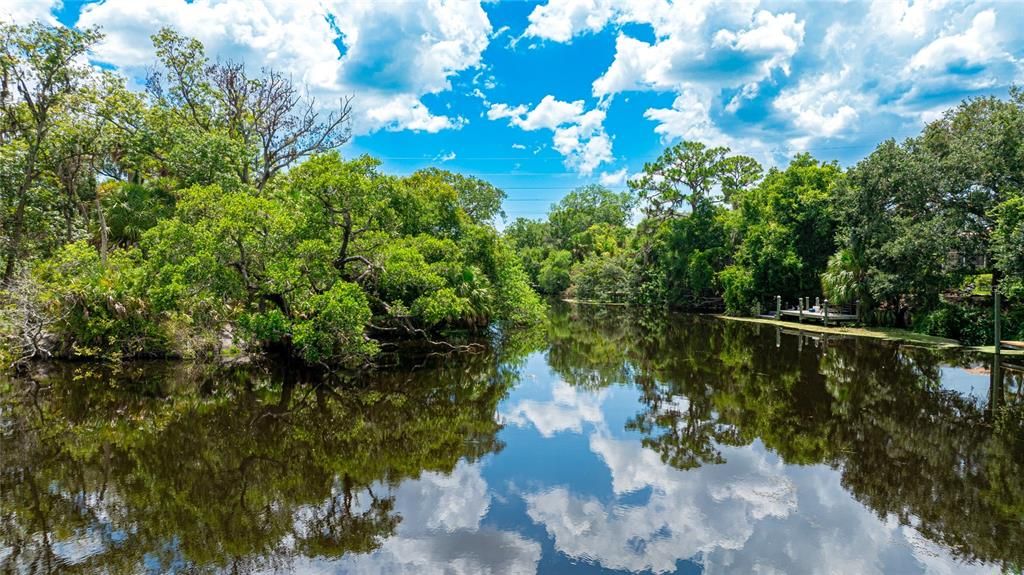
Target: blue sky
[{"x": 541, "y": 97}]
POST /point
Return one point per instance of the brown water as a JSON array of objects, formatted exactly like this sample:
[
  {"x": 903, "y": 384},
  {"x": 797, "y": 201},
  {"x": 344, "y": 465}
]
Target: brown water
[{"x": 611, "y": 441}]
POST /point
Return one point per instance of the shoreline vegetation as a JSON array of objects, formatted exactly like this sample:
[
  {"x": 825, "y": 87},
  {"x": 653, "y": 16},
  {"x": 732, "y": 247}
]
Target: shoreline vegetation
[
  {"x": 898, "y": 335},
  {"x": 214, "y": 212}
]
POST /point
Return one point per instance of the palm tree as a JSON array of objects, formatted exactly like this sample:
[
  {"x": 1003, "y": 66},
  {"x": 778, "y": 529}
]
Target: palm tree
[{"x": 845, "y": 278}]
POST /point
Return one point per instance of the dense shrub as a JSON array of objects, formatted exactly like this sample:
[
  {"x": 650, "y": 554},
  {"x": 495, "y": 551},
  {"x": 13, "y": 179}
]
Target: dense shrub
[
  {"x": 554, "y": 272},
  {"x": 601, "y": 278},
  {"x": 98, "y": 305},
  {"x": 970, "y": 324}
]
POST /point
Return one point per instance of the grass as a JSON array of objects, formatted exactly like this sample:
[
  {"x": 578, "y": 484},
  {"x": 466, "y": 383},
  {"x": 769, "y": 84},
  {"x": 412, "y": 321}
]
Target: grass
[
  {"x": 991, "y": 349},
  {"x": 885, "y": 333},
  {"x": 593, "y": 302}
]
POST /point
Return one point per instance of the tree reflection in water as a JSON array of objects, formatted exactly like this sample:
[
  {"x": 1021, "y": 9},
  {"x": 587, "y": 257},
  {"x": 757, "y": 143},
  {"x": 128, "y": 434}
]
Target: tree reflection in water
[
  {"x": 948, "y": 464},
  {"x": 162, "y": 467},
  {"x": 166, "y": 467}
]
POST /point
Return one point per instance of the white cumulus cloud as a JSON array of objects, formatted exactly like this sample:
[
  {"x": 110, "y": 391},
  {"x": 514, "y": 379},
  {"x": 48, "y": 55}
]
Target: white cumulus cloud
[
  {"x": 392, "y": 54},
  {"x": 578, "y": 135},
  {"x": 24, "y": 11},
  {"x": 978, "y": 44},
  {"x": 821, "y": 106},
  {"x": 809, "y": 71},
  {"x": 610, "y": 179}
]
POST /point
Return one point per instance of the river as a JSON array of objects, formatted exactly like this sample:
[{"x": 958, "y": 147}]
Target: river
[{"x": 612, "y": 440}]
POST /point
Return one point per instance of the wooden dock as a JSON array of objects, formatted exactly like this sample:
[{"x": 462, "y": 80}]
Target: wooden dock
[
  {"x": 824, "y": 314},
  {"x": 819, "y": 315}
]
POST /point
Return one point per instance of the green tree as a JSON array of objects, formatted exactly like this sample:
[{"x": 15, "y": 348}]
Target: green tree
[
  {"x": 554, "y": 272},
  {"x": 787, "y": 230},
  {"x": 479, "y": 200},
  {"x": 219, "y": 122},
  {"x": 686, "y": 235},
  {"x": 892, "y": 220},
  {"x": 977, "y": 153},
  {"x": 573, "y": 215},
  {"x": 688, "y": 174},
  {"x": 43, "y": 71},
  {"x": 1008, "y": 239},
  {"x": 532, "y": 242},
  {"x": 601, "y": 278}
]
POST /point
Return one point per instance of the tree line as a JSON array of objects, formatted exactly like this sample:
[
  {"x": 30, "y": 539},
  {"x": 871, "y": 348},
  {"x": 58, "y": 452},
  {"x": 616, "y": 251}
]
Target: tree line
[
  {"x": 212, "y": 212},
  {"x": 921, "y": 233}
]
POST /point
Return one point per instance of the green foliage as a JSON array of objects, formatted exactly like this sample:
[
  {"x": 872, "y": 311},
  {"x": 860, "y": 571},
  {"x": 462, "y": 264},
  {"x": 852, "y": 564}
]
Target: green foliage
[
  {"x": 788, "y": 228},
  {"x": 1008, "y": 240},
  {"x": 971, "y": 325},
  {"x": 554, "y": 272},
  {"x": 692, "y": 250},
  {"x": 589, "y": 223},
  {"x": 843, "y": 280},
  {"x": 514, "y": 301},
  {"x": 969, "y": 322},
  {"x": 99, "y": 304},
  {"x": 739, "y": 292},
  {"x": 478, "y": 199},
  {"x": 888, "y": 218},
  {"x": 601, "y": 278},
  {"x": 131, "y": 209},
  {"x": 441, "y": 306},
  {"x": 306, "y": 266},
  {"x": 531, "y": 241},
  {"x": 329, "y": 326},
  {"x": 687, "y": 174},
  {"x": 301, "y": 268},
  {"x": 570, "y": 219},
  {"x": 45, "y": 83}
]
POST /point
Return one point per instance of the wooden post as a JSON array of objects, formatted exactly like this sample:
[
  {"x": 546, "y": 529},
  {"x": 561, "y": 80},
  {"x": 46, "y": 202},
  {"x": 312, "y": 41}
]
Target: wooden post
[
  {"x": 778, "y": 307},
  {"x": 826, "y": 313},
  {"x": 858, "y": 310},
  {"x": 996, "y": 327},
  {"x": 996, "y": 391},
  {"x": 817, "y": 304},
  {"x": 800, "y": 309}
]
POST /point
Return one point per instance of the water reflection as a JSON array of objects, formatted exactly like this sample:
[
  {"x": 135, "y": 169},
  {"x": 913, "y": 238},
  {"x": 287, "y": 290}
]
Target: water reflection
[
  {"x": 627, "y": 441},
  {"x": 915, "y": 454},
  {"x": 245, "y": 471}
]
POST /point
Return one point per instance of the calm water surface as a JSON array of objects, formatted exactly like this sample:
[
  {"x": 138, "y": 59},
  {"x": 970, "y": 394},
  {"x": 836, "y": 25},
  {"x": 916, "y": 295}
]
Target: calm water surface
[{"x": 612, "y": 441}]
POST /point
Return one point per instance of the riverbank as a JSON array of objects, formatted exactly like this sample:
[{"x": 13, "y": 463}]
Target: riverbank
[{"x": 883, "y": 333}]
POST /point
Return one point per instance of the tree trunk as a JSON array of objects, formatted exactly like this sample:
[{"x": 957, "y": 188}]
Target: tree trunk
[
  {"x": 103, "y": 232},
  {"x": 18, "y": 225},
  {"x": 14, "y": 241},
  {"x": 343, "y": 251}
]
